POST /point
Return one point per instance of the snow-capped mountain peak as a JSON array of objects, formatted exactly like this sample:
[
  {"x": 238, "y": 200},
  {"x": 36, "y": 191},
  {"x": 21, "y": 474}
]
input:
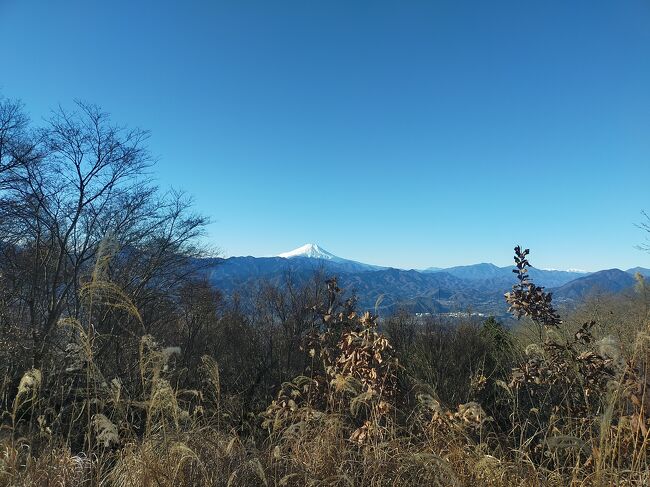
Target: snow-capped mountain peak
[
  {"x": 310, "y": 250},
  {"x": 573, "y": 271},
  {"x": 313, "y": 251}
]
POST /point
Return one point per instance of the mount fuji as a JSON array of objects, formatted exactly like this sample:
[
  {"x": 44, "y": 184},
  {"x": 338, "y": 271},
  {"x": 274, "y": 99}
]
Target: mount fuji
[{"x": 313, "y": 251}]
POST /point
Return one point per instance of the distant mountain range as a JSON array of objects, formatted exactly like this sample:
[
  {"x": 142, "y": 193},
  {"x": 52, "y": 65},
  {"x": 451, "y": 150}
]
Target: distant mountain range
[
  {"x": 478, "y": 287},
  {"x": 497, "y": 275},
  {"x": 607, "y": 281}
]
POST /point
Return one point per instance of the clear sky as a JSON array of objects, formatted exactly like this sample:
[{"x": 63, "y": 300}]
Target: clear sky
[{"x": 410, "y": 134}]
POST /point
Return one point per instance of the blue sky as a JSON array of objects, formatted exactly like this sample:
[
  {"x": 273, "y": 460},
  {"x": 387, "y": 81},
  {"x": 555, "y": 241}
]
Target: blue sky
[{"x": 411, "y": 134}]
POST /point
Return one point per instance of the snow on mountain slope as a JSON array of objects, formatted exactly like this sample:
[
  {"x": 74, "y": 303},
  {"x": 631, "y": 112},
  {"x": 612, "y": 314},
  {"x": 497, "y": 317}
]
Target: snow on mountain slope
[
  {"x": 312, "y": 251},
  {"x": 572, "y": 270}
]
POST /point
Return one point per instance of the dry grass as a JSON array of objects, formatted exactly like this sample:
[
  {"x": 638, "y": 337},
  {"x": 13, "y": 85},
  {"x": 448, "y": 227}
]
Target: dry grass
[{"x": 575, "y": 411}]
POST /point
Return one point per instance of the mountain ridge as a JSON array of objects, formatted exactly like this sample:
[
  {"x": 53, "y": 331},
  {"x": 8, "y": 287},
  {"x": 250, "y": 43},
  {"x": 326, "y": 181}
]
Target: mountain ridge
[{"x": 479, "y": 287}]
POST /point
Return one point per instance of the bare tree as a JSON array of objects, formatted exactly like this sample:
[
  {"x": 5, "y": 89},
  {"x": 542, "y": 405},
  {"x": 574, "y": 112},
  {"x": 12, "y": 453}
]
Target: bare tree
[
  {"x": 80, "y": 181},
  {"x": 646, "y": 227},
  {"x": 16, "y": 149}
]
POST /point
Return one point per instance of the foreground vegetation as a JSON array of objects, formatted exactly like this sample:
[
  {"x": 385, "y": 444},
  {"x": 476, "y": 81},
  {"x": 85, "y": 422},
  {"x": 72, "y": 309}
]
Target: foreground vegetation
[{"x": 120, "y": 365}]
